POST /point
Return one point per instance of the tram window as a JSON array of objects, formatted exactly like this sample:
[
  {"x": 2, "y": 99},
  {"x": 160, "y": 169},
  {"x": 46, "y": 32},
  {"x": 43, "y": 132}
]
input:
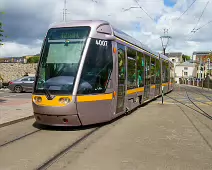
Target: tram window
[
  {"x": 121, "y": 64},
  {"x": 97, "y": 68},
  {"x": 153, "y": 67},
  {"x": 140, "y": 69},
  {"x": 168, "y": 72},
  {"x": 131, "y": 68},
  {"x": 165, "y": 74},
  {"x": 171, "y": 74},
  {"x": 158, "y": 71},
  {"x": 147, "y": 70}
]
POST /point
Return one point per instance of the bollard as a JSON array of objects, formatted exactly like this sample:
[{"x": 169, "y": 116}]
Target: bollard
[{"x": 162, "y": 94}]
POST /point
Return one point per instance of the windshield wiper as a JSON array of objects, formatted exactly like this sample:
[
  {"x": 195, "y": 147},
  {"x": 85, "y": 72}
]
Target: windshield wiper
[
  {"x": 46, "y": 91},
  {"x": 48, "y": 94}
]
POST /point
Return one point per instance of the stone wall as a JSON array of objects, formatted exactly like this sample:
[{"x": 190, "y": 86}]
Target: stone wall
[{"x": 12, "y": 71}]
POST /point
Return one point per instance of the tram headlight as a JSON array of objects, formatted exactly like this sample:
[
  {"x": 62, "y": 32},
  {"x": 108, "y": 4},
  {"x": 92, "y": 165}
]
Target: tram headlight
[
  {"x": 37, "y": 99},
  {"x": 64, "y": 100}
]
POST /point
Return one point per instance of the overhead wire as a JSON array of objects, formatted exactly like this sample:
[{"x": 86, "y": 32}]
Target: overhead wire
[
  {"x": 185, "y": 11},
  {"x": 144, "y": 10},
  {"x": 200, "y": 17},
  {"x": 203, "y": 25},
  {"x": 194, "y": 30}
]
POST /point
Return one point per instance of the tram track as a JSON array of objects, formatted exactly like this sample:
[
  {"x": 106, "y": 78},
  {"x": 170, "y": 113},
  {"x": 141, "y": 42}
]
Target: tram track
[
  {"x": 200, "y": 110},
  {"x": 79, "y": 141},
  {"x": 195, "y": 99},
  {"x": 197, "y": 129},
  {"x": 199, "y": 92},
  {"x": 201, "y": 131},
  {"x": 202, "y": 113},
  {"x": 59, "y": 155},
  {"x": 19, "y": 138}
]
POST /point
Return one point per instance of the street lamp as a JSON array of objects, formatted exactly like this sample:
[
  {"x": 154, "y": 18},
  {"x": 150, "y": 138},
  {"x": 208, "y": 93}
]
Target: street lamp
[{"x": 165, "y": 40}]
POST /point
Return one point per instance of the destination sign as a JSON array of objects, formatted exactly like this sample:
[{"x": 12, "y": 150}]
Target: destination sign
[{"x": 68, "y": 33}]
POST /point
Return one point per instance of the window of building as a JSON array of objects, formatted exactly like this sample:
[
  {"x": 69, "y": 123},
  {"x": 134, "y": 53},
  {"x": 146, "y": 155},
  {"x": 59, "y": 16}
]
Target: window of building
[
  {"x": 185, "y": 68},
  {"x": 173, "y": 60},
  {"x": 185, "y": 73}
]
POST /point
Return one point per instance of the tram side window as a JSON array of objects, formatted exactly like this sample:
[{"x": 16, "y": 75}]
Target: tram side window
[
  {"x": 165, "y": 75},
  {"x": 153, "y": 71},
  {"x": 158, "y": 71},
  {"x": 172, "y": 73},
  {"x": 97, "y": 68},
  {"x": 168, "y": 72},
  {"x": 147, "y": 70},
  {"x": 121, "y": 64},
  {"x": 131, "y": 68},
  {"x": 140, "y": 69}
]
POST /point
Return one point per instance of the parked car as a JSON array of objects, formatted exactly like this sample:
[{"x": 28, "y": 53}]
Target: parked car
[{"x": 22, "y": 84}]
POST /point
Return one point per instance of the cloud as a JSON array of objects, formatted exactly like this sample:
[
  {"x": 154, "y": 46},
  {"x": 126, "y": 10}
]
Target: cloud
[
  {"x": 15, "y": 50},
  {"x": 26, "y": 22}
]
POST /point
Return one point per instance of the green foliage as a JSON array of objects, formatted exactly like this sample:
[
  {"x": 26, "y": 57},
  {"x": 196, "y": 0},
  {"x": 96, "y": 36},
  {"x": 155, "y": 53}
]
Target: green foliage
[
  {"x": 34, "y": 59},
  {"x": 186, "y": 57},
  {"x": 1, "y": 30}
]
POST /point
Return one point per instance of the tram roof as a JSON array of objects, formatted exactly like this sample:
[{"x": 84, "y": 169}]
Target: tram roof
[{"x": 118, "y": 33}]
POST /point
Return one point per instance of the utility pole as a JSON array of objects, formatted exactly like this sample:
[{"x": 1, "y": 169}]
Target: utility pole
[
  {"x": 64, "y": 11},
  {"x": 165, "y": 40}
]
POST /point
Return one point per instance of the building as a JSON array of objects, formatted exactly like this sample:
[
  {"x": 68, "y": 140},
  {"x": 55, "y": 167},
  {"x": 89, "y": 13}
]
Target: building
[
  {"x": 202, "y": 64},
  {"x": 175, "y": 57},
  {"x": 22, "y": 59},
  {"x": 185, "y": 70},
  {"x": 197, "y": 55}
]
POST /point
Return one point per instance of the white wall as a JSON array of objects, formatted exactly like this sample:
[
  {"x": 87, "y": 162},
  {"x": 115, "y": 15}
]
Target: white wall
[{"x": 191, "y": 72}]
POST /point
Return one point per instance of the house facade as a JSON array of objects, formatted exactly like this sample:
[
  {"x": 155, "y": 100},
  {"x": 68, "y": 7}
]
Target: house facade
[
  {"x": 185, "y": 70},
  {"x": 175, "y": 57}
]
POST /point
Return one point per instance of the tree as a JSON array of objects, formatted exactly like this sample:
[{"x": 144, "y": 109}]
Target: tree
[
  {"x": 34, "y": 59},
  {"x": 186, "y": 57},
  {"x": 1, "y": 31}
]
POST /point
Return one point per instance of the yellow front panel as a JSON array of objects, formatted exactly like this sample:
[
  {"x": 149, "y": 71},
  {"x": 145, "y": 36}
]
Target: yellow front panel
[{"x": 53, "y": 102}]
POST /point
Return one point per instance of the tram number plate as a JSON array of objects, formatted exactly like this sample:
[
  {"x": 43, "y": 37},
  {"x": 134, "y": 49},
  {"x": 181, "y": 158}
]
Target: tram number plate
[{"x": 101, "y": 42}]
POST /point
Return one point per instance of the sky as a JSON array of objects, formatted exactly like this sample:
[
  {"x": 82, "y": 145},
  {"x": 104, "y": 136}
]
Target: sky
[{"x": 26, "y": 22}]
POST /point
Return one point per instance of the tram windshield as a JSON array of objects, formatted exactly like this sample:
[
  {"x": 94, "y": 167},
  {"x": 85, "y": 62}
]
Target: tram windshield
[{"x": 61, "y": 55}]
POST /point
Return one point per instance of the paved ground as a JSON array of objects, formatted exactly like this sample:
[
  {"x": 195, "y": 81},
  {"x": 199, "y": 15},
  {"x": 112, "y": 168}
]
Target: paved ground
[
  {"x": 14, "y": 106},
  {"x": 8, "y": 94},
  {"x": 171, "y": 136}
]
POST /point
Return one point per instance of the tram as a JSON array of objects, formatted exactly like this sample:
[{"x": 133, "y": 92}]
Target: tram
[{"x": 91, "y": 72}]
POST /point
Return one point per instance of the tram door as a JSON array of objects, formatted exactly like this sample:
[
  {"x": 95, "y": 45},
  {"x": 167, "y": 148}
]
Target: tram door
[
  {"x": 147, "y": 78},
  {"x": 158, "y": 77},
  {"x": 121, "y": 78}
]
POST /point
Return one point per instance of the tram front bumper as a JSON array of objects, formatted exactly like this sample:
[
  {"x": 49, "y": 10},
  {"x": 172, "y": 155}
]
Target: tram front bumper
[
  {"x": 52, "y": 112},
  {"x": 57, "y": 120}
]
